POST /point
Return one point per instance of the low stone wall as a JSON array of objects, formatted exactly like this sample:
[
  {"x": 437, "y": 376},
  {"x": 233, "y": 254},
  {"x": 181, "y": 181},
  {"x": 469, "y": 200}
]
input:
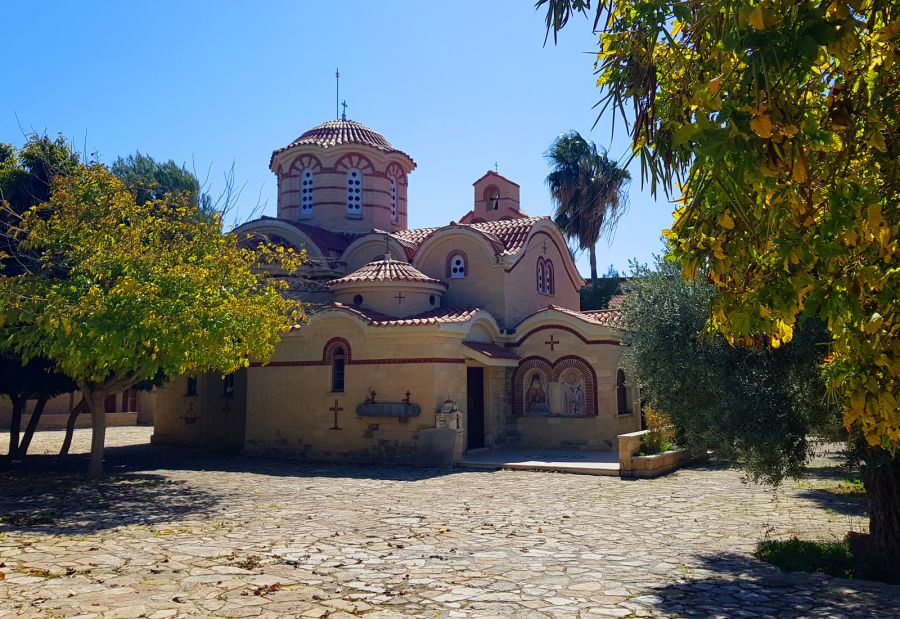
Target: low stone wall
[
  {"x": 58, "y": 422},
  {"x": 631, "y": 465},
  {"x": 657, "y": 464}
]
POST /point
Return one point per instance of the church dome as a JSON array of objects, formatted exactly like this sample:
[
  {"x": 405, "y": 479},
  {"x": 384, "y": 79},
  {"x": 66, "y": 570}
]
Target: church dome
[
  {"x": 387, "y": 270},
  {"x": 390, "y": 287},
  {"x": 337, "y": 132}
]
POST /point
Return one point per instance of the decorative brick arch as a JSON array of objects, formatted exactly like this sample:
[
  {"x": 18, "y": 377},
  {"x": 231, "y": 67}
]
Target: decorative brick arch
[
  {"x": 525, "y": 366},
  {"x": 332, "y": 345},
  {"x": 354, "y": 160},
  {"x": 452, "y": 254},
  {"x": 395, "y": 171},
  {"x": 304, "y": 162},
  {"x": 554, "y": 371}
]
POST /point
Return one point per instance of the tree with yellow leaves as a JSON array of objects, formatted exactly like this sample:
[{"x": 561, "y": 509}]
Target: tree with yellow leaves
[
  {"x": 115, "y": 292},
  {"x": 775, "y": 126}
]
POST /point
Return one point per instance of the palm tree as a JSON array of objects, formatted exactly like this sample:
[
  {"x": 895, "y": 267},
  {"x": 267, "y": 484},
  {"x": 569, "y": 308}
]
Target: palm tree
[{"x": 588, "y": 192}]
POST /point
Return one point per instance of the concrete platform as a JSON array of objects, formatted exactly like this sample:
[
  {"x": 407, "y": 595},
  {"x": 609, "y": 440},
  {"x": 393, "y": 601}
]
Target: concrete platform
[{"x": 555, "y": 460}]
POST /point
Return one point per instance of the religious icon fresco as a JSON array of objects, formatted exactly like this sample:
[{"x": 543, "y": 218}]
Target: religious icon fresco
[
  {"x": 536, "y": 400},
  {"x": 549, "y": 392},
  {"x": 573, "y": 393}
]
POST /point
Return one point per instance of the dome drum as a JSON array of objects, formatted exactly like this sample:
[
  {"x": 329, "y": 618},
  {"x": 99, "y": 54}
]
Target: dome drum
[
  {"x": 343, "y": 176},
  {"x": 389, "y": 287}
]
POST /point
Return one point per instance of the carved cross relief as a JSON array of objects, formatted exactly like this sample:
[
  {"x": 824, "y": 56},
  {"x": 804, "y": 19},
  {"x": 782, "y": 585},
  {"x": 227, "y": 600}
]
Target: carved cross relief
[{"x": 337, "y": 408}]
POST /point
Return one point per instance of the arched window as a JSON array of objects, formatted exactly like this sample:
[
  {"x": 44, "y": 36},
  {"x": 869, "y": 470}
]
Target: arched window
[
  {"x": 621, "y": 393},
  {"x": 395, "y": 216},
  {"x": 354, "y": 193},
  {"x": 549, "y": 286},
  {"x": 337, "y": 370},
  {"x": 492, "y": 198},
  {"x": 306, "y": 194},
  {"x": 457, "y": 266},
  {"x": 540, "y": 275}
]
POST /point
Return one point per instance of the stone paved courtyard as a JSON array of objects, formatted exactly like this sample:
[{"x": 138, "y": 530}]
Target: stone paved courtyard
[{"x": 175, "y": 533}]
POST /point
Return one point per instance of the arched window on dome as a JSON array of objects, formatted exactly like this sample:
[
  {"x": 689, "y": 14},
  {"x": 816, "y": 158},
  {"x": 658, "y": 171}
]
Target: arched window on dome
[
  {"x": 395, "y": 215},
  {"x": 540, "y": 275},
  {"x": 457, "y": 266},
  {"x": 306, "y": 194},
  {"x": 354, "y": 193}
]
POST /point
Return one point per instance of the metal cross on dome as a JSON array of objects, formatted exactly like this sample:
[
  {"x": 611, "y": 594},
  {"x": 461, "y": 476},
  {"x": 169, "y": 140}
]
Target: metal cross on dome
[{"x": 344, "y": 105}]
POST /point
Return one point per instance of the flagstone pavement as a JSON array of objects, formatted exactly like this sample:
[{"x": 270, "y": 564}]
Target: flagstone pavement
[{"x": 176, "y": 533}]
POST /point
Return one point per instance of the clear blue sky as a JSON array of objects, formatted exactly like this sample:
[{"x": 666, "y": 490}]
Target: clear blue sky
[{"x": 457, "y": 86}]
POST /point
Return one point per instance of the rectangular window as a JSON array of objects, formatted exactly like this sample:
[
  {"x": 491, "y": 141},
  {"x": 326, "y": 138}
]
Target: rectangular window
[
  {"x": 191, "y": 386},
  {"x": 337, "y": 375}
]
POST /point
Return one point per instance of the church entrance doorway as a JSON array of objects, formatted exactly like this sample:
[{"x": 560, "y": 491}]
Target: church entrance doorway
[{"x": 475, "y": 408}]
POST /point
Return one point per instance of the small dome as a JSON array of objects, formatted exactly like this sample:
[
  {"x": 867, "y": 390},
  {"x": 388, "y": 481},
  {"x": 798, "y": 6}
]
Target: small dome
[
  {"x": 335, "y": 132},
  {"x": 387, "y": 270}
]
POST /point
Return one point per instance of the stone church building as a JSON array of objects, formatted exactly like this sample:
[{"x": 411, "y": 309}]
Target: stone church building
[{"x": 474, "y": 325}]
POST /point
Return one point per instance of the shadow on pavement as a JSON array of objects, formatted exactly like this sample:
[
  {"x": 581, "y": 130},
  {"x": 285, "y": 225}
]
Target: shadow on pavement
[
  {"x": 52, "y": 495},
  {"x": 148, "y": 458},
  {"x": 848, "y": 505},
  {"x": 66, "y": 504},
  {"x": 733, "y": 585}
]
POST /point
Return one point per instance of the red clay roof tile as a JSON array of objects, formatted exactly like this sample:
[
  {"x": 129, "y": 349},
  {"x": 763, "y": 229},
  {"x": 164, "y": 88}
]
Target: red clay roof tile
[
  {"x": 387, "y": 270},
  {"x": 614, "y": 318},
  {"x": 442, "y": 315},
  {"x": 492, "y": 351},
  {"x": 335, "y": 132}
]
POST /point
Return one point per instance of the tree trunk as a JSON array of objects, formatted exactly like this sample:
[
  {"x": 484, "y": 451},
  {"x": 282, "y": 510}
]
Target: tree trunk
[
  {"x": 15, "y": 424},
  {"x": 96, "y": 401},
  {"x": 880, "y": 550},
  {"x": 32, "y": 424},
  {"x": 592, "y": 255},
  {"x": 70, "y": 427}
]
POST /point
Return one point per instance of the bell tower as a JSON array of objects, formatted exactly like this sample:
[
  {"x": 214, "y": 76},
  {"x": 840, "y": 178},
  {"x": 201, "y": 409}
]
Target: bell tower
[{"x": 496, "y": 197}]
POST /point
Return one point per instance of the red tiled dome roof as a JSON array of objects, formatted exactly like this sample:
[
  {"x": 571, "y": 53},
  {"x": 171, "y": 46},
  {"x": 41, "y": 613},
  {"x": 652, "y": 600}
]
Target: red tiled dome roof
[
  {"x": 336, "y": 132},
  {"x": 387, "y": 270}
]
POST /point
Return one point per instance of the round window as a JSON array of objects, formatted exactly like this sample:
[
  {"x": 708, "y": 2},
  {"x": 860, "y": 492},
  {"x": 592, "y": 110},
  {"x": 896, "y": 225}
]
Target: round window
[{"x": 358, "y": 300}]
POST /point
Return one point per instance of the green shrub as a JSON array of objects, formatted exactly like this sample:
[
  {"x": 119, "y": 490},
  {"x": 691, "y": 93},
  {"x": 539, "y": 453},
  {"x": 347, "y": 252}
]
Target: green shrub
[
  {"x": 795, "y": 555},
  {"x": 660, "y": 436}
]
